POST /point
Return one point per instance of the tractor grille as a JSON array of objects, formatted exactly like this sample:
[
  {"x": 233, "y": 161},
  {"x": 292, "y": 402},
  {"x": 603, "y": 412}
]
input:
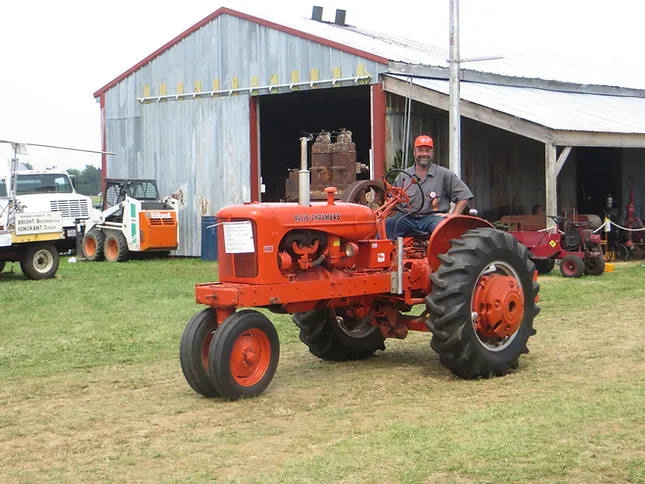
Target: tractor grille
[
  {"x": 238, "y": 265},
  {"x": 70, "y": 208}
]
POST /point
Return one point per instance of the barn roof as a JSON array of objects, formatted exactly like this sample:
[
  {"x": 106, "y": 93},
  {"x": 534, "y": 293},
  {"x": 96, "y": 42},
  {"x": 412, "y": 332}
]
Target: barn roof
[{"x": 589, "y": 98}]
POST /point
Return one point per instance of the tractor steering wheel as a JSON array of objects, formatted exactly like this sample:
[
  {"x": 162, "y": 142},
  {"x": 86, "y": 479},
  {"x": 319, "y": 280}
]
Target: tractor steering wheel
[{"x": 401, "y": 193}]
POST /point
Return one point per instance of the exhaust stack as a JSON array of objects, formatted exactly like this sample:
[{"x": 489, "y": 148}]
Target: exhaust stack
[{"x": 304, "y": 190}]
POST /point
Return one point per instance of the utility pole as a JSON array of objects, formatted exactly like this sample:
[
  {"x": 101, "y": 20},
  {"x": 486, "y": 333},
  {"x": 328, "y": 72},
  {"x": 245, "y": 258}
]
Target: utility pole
[{"x": 454, "y": 137}]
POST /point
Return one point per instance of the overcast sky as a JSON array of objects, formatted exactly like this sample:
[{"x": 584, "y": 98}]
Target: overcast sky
[{"x": 55, "y": 54}]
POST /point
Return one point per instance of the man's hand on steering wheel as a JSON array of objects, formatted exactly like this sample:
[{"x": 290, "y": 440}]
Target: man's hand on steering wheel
[{"x": 401, "y": 193}]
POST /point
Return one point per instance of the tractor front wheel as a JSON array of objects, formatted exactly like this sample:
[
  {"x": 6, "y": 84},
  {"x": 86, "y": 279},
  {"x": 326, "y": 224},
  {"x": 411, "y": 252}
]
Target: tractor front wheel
[
  {"x": 482, "y": 304},
  {"x": 594, "y": 266},
  {"x": 193, "y": 351},
  {"x": 243, "y": 355},
  {"x": 333, "y": 338},
  {"x": 572, "y": 266}
]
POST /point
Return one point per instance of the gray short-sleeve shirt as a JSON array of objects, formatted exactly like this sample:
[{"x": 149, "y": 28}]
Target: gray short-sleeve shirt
[{"x": 441, "y": 182}]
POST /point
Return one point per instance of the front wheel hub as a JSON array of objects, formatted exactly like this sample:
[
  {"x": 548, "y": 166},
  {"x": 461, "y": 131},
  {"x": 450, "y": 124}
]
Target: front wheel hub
[
  {"x": 499, "y": 306},
  {"x": 250, "y": 357}
]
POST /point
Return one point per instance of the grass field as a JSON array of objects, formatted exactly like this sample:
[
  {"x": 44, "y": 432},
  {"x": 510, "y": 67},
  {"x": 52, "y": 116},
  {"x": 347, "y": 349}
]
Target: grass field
[{"x": 91, "y": 391}]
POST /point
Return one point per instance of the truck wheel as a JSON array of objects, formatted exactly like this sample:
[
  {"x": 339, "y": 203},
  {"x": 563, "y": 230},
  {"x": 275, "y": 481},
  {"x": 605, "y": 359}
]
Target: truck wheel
[
  {"x": 116, "y": 247},
  {"x": 193, "y": 351},
  {"x": 39, "y": 261},
  {"x": 93, "y": 244},
  {"x": 332, "y": 338},
  {"x": 243, "y": 355},
  {"x": 595, "y": 266},
  {"x": 544, "y": 266},
  {"x": 572, "y": 266},
  {"x": 482, "y": 304}
]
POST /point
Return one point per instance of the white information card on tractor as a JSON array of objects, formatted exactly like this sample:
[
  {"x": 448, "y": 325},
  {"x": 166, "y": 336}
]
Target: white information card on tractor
[{"x": 238, "y": 237}]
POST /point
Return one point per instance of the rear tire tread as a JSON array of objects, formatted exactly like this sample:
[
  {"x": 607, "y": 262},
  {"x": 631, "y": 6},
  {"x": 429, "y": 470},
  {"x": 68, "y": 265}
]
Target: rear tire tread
[
  {"x": 454, "y": 337},
  {"x": 325, "y": 340}
]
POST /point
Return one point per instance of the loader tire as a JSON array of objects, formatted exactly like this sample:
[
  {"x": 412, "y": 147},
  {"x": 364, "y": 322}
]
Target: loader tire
[
  {"x": 331, "y": 339},
  {"x": 39, "y": 261},
  {"x": 93, "y": 244},
  {"x": 116, "y": 247},
  {"x": 482, "y": 304}
]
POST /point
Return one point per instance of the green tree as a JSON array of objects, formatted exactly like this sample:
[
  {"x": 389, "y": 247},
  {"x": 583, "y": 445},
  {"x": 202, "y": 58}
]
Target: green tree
[{"x": 88, "y": 181}]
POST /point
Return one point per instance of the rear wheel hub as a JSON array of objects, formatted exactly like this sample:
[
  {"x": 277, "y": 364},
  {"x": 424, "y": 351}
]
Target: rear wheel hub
[{"x": 498, "y": 306}]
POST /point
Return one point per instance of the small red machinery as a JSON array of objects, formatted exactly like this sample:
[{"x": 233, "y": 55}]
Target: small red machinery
[
  {"x": 572, "y": 241},
  {"x": 349, "y": 288}
]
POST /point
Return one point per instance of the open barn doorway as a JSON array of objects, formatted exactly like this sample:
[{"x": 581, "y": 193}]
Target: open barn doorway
[
  {"x": 284, "y": 118},
  {"x": 599, "y": 177}
]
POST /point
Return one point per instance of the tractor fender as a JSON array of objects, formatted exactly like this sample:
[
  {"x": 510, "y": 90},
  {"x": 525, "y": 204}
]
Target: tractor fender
[{"x": 448, "y": 229}]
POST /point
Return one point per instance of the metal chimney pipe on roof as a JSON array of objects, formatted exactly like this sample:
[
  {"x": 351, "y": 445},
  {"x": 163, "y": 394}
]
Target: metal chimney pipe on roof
[
  {"x": 304, "y": 188},
  {"x": 316, "y": 14},
  {"x": 340, "y": 17}
]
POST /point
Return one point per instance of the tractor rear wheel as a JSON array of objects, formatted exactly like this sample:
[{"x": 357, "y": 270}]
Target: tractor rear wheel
[
  {"x": 116, "y": 247},
  {"x": 243, "y": 355},
  {"x": 333, "y": 338},
  {"x": 482, "y": 304},
  {"x": 93, "y": 243},
  {"x": 193, "y": 351},
  {"x": 544, "y": 266},
  {"x": 595, "y": 266},
  {"x": 572, "y": 266}
]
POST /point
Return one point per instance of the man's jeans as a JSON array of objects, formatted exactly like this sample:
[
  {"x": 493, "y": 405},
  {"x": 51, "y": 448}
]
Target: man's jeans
[{"x": 400, "y": 225}]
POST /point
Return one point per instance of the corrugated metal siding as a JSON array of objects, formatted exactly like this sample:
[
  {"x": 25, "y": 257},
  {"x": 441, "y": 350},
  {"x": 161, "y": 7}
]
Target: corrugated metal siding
[
  {"x": 555, "y": 110},
  {"x": 198, "y": 148},
  {"x": 501, "y": 168},
  {"x": 201, "y": 146},
  {"x": 230, "y": 48}
]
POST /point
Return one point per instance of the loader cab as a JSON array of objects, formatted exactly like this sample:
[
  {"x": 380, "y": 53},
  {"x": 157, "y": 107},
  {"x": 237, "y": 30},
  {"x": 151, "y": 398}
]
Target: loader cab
[{"x": 144, "y": 190}]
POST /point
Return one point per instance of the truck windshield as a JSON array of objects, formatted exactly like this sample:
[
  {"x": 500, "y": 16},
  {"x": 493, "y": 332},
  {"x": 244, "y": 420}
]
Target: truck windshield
[{"x": 43, "y": 183}]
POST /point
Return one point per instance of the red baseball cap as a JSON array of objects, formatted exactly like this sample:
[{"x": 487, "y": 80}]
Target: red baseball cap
[{"x": 424, "y": 140}]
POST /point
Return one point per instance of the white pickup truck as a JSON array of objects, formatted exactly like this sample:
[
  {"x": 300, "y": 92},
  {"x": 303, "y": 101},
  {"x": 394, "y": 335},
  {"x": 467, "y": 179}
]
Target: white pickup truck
[{"x": 39, "y": 191}]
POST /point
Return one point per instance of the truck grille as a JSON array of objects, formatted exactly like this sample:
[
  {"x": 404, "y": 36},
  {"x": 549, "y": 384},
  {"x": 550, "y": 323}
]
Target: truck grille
[
  {"x": 70, "y": 208},
  {"x": 238, "y": 265}
]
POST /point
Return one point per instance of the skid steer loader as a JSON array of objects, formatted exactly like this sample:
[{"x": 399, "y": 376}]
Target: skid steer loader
[{"x": 133, "y": 221}]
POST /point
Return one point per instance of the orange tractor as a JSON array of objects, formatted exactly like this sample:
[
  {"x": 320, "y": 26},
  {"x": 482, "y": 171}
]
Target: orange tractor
[{"x": 348, "y": 287}]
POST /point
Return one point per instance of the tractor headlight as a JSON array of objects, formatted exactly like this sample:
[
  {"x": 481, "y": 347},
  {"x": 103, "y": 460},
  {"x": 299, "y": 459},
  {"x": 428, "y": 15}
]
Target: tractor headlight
[{"x": 351, "y": 249}]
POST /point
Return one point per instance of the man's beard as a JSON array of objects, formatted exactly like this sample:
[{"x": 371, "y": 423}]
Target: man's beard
[{"x": 425, "y": 161}]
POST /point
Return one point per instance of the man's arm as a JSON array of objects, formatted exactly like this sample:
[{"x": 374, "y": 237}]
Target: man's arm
[
  {"x": 460, "y": 194},
  {"x": 459, "y": 208}
]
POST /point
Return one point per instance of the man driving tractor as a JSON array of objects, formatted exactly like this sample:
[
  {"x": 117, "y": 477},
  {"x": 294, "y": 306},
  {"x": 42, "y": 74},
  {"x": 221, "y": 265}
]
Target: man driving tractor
[{"x": 440, "y": 187}]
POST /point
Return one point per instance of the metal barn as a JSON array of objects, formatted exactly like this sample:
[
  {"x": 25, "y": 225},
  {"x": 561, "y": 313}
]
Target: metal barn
[{"x": 215, "y": 116}]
